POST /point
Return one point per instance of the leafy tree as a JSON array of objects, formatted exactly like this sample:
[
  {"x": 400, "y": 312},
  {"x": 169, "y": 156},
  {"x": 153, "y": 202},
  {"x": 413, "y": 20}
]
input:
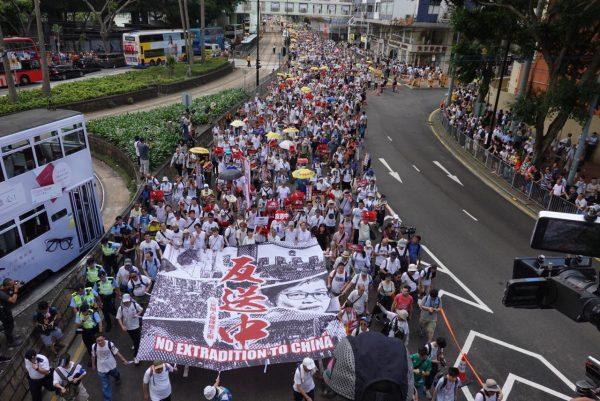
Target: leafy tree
[
  {"x": 104, "y": 12},
  {"x": 17, "y": 16},
  {"x": 566, "y": 34}
]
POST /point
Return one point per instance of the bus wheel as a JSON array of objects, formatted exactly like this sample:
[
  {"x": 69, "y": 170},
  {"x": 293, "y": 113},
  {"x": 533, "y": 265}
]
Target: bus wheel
[
  {"x": 161, "y": 62},
  {"x": 152, "y": 63},
  {"x": 25, "y": 80}
]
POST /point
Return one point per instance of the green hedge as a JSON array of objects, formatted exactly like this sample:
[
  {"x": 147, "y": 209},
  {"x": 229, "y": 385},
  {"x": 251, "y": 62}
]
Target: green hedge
[
  {"x": 94, "y": 88},
  {"x": 160, "y": 126}
]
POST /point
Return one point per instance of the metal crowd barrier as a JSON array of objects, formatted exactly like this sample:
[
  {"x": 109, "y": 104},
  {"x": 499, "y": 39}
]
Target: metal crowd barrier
[{"x": 532, "y": 190}]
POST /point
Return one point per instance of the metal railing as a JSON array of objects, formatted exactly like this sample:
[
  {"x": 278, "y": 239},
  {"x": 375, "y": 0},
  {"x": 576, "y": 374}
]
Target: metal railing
[{"x": 536, "y": 191}]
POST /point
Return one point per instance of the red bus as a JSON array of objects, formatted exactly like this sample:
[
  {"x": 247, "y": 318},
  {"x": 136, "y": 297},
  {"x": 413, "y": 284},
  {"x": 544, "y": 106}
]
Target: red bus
[{"x": 24, "y": 61}]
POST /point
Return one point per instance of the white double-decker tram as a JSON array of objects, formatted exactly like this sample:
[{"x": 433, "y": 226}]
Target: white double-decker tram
[{"x": 49, "y": 209}]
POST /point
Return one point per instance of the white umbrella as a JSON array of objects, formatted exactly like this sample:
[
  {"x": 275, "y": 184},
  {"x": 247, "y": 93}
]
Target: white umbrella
[{"x": 286, "y": 144}]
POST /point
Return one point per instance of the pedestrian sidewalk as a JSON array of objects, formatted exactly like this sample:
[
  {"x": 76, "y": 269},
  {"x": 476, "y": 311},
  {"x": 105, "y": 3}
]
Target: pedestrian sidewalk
[
  {"x": 517, "y": 198},
  {"x": 112, "y": 191}
]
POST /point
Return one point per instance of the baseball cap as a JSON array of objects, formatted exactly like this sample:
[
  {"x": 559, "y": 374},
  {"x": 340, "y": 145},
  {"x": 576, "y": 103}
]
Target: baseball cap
[
  {"x": 127, "y": 261},
  {"x": 308, "y": 363},
  {"x": 126, "y": 298},
  {"x": 210, "y": 392}
]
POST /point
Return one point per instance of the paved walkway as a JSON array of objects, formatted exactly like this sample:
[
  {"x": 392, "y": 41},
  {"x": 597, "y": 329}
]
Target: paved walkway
[
  {"x": 240, "y": 78},
  {"x": 112, "y": 190}
]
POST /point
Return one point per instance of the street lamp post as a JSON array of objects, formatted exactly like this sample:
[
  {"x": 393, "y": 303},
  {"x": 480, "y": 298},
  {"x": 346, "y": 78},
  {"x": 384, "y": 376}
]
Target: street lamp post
[
  {"x": 257, "y": 43},
  {"x": 502, "y": 72}
]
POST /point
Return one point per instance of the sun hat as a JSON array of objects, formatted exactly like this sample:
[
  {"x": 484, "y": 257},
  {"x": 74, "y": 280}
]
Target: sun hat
[
  {"x": 165, "y": 179},
  {"x": 126, "y": 298},
  {"x": 345, "y": 254},
  {"x": 210, "y": 392},
  {"x": 402, "y": 314},
  {"x": 308, "y": 363},
  {"x": 412, "y": 267},
  {"x": 491, "y": 385}
]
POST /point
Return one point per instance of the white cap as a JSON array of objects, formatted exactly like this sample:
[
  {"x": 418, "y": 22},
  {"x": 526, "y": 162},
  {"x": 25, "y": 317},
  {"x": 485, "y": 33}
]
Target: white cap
[
  {"x": 308, "y": 363},
  {"x": 412, "y": 267},
  {"x": 126, "y": 298},
  {"x": 210, "y": 392}
]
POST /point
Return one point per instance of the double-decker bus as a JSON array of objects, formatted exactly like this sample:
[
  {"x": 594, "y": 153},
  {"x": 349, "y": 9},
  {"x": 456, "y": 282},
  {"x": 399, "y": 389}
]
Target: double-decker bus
[
  {"x": 143, "y": 48},
  {"x": 49, "y": 210},
  {"x": 24, "y": 61},
  {"x": 213, "y": 35}
]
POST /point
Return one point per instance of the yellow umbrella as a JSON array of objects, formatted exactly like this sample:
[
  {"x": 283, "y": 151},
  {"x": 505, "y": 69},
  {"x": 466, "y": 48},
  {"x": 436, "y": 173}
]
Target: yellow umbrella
[
  {"x": 273, "y": 135},
  {"x": 237, "y": 123},
  {"x": 199, "y": 151},
  {"x": 291, "y": 130},
  {"x": 314, "y": 68},
  {"x": 324, "y": 68},
  {"x": 303, "y": 174},
  {"x": 305, "y": 89}
]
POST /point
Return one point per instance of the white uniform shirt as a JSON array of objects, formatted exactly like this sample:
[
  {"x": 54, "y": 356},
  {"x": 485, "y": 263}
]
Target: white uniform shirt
[
  {"x": 105, "y": 356},
  {"x": 43, "y": 363}
]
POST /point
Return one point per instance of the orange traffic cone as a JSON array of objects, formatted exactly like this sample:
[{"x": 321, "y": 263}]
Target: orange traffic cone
[{"x": 462, "y": 369}]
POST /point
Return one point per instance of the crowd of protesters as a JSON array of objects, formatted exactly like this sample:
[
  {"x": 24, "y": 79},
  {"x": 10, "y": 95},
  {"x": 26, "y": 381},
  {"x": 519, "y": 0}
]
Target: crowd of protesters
[
  {"x": 288, "y": 166},
  {"x": 511, "y": 147}
]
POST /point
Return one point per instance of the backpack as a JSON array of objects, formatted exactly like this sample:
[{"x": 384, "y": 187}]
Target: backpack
[
  {"x": 72, "y": 390},
  {"x": 392, "y": 326},
  {"x": 110, "y": 348},
  {"x": 444, "y": 380}
]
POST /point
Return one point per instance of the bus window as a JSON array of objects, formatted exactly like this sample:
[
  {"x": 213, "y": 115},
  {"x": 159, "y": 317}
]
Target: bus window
[
  {"x": 74, "y": 142},
  {"x": 34, "y": 223},
  {"x": 47, "y": 148},
  {"x": 20, "y": 160},
  {"x": 58, "y": 215},
  {"x": 9, "y": 238},
  {"x": 154, "y": 53}
]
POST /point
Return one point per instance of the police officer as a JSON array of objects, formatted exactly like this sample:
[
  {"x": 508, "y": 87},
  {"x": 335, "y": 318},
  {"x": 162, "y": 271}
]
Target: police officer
[
  {"x": 39, "y": 374},
  {"x": 92, "y": 272},
  {"x": 107, "y": 289},
  {"x": 85, "y": 295},
  {"x": 89, "y": 322}
]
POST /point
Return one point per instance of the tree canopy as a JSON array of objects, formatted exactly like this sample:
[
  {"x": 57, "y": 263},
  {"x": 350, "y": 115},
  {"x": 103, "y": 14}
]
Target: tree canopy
[{"x": 564, "y": 33}]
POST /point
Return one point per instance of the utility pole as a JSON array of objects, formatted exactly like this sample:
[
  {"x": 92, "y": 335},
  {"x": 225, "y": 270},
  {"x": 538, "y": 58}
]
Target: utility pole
[
  {"x": 582, "y": 138},
  {"x": 189, "y": 51},
  {"x": 502, "y": 72},
  {"x": 10, "y": 81},
  {"x": 451, "y": 72},
  {"x": 202, "y": 27},
  {"x": 257, "y": 43},
  {"x": 43, "y": 59}
]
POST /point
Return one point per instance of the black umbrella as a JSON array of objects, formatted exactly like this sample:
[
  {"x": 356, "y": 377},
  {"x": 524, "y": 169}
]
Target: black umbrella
[{"x": 230, "y": 174}]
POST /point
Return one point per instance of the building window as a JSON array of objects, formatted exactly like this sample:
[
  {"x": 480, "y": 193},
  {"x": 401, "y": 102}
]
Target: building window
[
  {"x": 303, "y": 7},
  {"x": 331, "y": 9},
  {"x": 317, "y": 8},
  {"x": 34, "y": 223},
  {"x": 434, "y": 6},
  {"x": 345, "y": 10},
  {"x": 20, "y": 160},
  {"x": 47, "y": 148},
  {"x": 289, "y": 7},
  {"x": 275, "y": 6},
  {"x": 9, "y": 238},
  {"x": 74, "y": 142}
]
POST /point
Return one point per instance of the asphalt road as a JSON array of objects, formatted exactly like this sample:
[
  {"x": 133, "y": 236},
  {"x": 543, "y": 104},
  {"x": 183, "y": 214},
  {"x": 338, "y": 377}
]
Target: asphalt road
[{"x": 476, "y": 234}]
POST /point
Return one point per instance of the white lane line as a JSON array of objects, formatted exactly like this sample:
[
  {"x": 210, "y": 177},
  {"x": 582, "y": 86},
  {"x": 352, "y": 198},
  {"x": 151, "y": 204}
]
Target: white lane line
[
  {"x": 470, "y": 215},
  {"x": 416, "y": 168},
  {"x": 389, "y": 139},
  {"x": 396, "y": 176},
  {"x": 476, "y": 301},
  {"x": 512, "y": 378}
]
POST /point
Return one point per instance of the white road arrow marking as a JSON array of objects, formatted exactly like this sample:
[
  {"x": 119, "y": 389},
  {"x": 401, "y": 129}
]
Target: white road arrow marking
[
  {"x": 445, "y": 170},
  {"x": 389, "y": 139},
  {"x": 512, "y": 378},
  {"x": 392, "y": 172},
  {"x": 416, "y": 168}
]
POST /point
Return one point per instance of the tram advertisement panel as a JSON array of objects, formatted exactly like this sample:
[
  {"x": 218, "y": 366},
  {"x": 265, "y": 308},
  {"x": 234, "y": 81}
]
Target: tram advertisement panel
[{"x": 245, "y": 306}]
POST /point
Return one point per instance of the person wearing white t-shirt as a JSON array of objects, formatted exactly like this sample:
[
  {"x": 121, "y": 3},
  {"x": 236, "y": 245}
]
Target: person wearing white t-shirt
[
  {"x": 156, "y": 382},
  {"x": 128, "y": 316},
  {"x": 104, "y": 354},
  {"x": 361, "y": 278},
  {"x": 411, "y": 278},
  {"x": 38, "y": 374},
  {"x": 69, "y": 374},
  {"x": 150, "y": 245},
  {"x": 337, "y": 279},
  {"x": 302, "y": 234},
  {"x": 358, "y": 300},
  {"x": 304, "y": 384}
]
